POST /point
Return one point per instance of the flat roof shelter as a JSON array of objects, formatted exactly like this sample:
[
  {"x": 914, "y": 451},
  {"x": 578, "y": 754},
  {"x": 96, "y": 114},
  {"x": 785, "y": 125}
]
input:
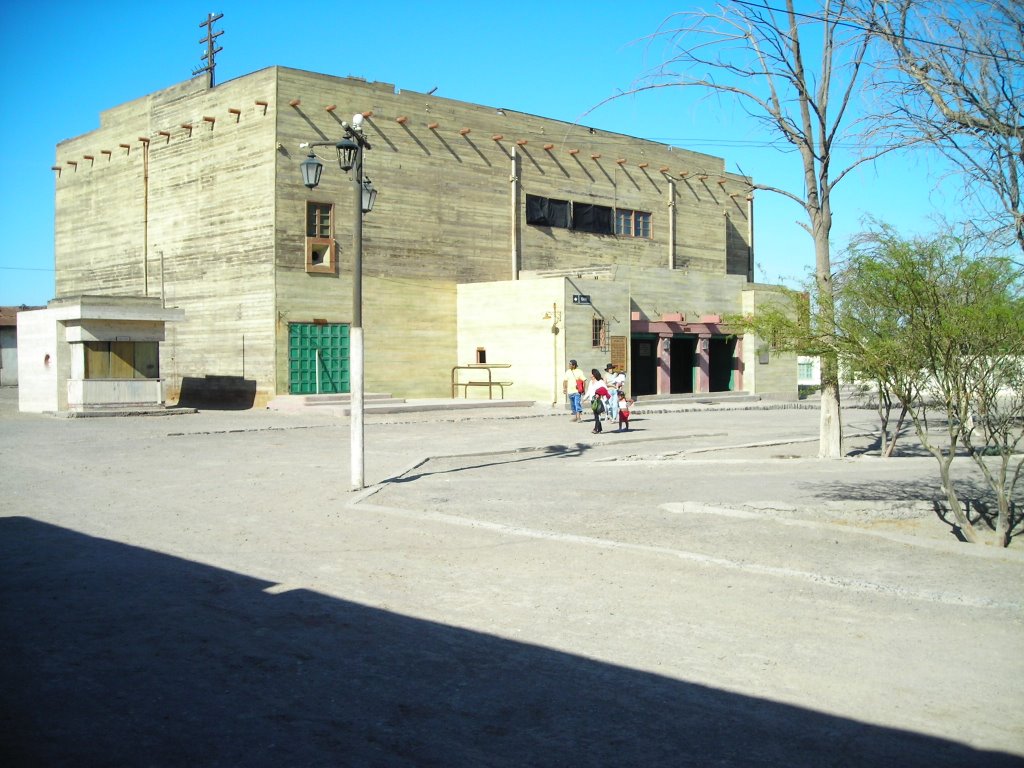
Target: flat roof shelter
[{"x": 92, "y": 352}]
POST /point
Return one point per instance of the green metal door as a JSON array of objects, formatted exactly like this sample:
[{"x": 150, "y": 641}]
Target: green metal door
[{"x": 318, "y": 358}]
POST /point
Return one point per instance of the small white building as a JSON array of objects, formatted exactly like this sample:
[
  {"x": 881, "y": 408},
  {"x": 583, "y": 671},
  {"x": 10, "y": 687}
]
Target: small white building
[
  {"x": 808, "y": 371},
  {"x": 92, "y": 352}
]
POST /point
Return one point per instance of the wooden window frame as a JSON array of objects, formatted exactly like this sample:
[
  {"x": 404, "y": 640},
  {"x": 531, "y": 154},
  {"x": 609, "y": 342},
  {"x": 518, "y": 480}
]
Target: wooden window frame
[
  {"x": 321, "y": 248},
  {"x": 120, "y": 359},
  {"x": 630, "y": 223}
]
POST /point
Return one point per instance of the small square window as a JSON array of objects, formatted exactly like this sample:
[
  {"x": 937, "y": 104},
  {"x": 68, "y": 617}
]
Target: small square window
[
  {"x": 321, "y": 249},
  {"x": 632, "y": 223},
  {"x": 318, "y": 220}
]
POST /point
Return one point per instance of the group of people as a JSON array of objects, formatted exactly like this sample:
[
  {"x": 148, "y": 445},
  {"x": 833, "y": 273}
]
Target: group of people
[{"x": 605, "y": 396}]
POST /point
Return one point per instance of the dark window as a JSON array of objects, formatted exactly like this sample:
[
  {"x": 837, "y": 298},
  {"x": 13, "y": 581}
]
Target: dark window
[
  {"x": 320, "y": 245},
  {"x": 545, "y": 212},
  {"x": 318, "y": 219},
  {"x": 592, "y": 218}
]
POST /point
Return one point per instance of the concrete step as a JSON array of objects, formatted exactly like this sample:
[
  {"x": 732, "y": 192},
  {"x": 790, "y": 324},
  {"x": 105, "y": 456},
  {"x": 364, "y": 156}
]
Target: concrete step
[
  {"x": 689, "y": 398},
  {"x": 293, "y": 402},
  {"x": 340, "y": 404}
]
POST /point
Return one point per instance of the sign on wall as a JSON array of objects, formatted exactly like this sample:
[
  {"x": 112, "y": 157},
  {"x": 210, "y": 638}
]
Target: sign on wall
[
  {"x": 581, "y": 298},
  {"x": 618, "y": 352}
]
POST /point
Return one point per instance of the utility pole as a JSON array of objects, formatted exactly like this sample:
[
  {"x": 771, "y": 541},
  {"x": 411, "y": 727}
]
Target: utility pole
[{"x": 211, "y": 50}]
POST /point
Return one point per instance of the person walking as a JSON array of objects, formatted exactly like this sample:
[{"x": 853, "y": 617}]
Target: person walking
[
  {"x": 597, "y": 396},
  {"x": 573, "y": 384},
  {"x": 615, "y": 384},
  {"x": 624, "y": 405}
]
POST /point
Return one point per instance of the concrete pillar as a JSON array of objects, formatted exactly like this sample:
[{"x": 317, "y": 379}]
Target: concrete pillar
[
  {"x": 703, "y": 364},
  {"x": 664, "y": 364}
]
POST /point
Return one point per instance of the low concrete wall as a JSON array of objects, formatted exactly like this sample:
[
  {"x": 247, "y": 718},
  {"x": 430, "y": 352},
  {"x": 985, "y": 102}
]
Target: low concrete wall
[{"x": 100, "y": 393}]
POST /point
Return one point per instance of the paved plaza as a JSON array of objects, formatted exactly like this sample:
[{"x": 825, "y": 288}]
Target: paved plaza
[{"x": 511, "y": 590}]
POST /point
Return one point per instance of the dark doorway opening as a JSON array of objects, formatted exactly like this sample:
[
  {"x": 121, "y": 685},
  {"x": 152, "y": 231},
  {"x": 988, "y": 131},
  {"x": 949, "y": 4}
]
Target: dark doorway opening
[
  {"x": 721, "y": 364},
  {"x": 644, "y": 365},
  {"x": 684, "y": 362}
]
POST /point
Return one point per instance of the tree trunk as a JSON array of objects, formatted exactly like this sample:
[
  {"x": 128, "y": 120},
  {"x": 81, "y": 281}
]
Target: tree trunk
[
  {"x": 896, "y": 433},
  {"x": 830, "y": 436},
  {"x": 1003, "y": 523},
  {"x": 966, "y": 528}
]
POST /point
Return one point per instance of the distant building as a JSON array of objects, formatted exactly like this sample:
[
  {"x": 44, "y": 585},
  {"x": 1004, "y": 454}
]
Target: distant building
[
  {"x": 497, "y": 237},
  {"x": 9, "y": 345},
  {"x": 808, "y": 371}
]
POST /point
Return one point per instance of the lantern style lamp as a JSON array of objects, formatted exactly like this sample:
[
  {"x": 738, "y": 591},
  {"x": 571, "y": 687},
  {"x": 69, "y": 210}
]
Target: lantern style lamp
[
  {"x": 347, "y": 151},
  {"x": 369, "y": 195},
  {"x": 311, "y": 169}
]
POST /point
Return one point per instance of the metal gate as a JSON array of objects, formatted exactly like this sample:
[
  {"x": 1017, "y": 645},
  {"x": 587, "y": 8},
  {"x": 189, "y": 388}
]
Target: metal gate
[{"x": 318, "y": 358}]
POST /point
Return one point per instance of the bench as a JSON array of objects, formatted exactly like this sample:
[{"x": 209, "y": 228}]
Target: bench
[{"x": 490, "y": 383}]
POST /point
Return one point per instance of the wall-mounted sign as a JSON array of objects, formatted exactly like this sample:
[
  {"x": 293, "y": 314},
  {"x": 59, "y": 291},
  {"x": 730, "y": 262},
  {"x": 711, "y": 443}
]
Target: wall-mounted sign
[{"x": 581, "y": 298}]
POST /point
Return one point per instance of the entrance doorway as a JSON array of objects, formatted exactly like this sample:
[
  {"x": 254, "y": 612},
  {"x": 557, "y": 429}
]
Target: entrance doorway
[
  {"x": 721, "y": 364},
  {"x": 643, "y": 362},
  {"x": 684, "y": 364},
  {"x": 318, "y": 358}
]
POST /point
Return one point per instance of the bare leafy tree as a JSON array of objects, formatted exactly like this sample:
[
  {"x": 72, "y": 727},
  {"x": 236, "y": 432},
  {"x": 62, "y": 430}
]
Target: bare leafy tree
[
  {"x": 951, "y": 78},
  {"x": 797, "y": 75}
]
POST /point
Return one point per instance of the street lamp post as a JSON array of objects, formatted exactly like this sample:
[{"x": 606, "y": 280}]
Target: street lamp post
[{"x": 350, "y": 156}]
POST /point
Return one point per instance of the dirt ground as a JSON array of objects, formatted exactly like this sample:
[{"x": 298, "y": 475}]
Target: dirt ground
[{"x": 512, "y": 590}]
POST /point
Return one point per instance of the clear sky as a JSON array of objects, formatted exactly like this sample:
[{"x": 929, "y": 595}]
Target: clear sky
[{"x": 66, "y": 61}]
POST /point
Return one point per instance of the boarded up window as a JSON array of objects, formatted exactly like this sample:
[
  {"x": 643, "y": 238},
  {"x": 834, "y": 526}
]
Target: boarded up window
[
  {"x": 97, "y": 360},
  {"x": 546, "y": 212},
  {"x": 122, "y": 360},
  {"x": 592, "y": 218}
]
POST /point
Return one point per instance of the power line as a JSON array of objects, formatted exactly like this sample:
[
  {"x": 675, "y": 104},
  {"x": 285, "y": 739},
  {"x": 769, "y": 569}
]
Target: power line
[
  {"x": 28, "y": 269},
  {"x": 862, "y": 28}
]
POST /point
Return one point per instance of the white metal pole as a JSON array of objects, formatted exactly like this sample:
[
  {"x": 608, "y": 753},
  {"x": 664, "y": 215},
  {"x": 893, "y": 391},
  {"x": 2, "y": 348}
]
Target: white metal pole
[{"x": 356, "y": 332}]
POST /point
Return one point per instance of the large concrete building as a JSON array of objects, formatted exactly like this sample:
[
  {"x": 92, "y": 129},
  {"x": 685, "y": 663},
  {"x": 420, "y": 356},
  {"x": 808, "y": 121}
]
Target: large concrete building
[{"x": 497, "y": 237}]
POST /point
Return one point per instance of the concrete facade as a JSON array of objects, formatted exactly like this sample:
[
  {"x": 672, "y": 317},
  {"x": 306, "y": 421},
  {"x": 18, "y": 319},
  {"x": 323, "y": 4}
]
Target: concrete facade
[{"x": 193, "y": 195}]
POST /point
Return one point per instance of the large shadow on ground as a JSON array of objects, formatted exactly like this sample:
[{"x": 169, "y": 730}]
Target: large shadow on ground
[
  {"x": 979, "y": 502},
  {"x": 118, "y": 656}
]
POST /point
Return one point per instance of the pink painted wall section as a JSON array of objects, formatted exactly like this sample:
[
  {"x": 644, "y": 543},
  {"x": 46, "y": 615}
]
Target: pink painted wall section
[
  {"x": 737, "y": 361},
  {"x": 664, "y": 364},
  {"x": 703, "y": 383}
]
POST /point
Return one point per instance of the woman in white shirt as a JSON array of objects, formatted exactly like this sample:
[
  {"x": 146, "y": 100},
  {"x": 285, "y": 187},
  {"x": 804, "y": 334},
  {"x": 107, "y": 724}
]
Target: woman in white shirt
[{"x": 597, "y": 392}]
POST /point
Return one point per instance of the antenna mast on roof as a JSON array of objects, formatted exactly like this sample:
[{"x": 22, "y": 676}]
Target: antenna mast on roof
[{"x": 211, "y": 51}]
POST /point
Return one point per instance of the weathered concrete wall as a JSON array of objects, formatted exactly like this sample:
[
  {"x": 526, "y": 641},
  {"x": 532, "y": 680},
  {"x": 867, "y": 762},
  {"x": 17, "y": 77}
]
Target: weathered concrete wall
[
  {"x": 512, "y": 322},
  {"x": 655, "y": 293},
  {"x": 187, "y": 215},
  {"x": 446, "y": 186},
  {"x": 766, "y": 371}
]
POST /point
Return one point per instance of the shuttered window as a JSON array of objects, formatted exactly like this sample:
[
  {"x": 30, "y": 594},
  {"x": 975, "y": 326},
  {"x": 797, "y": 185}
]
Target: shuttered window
[{"x": 122, "y": 360}]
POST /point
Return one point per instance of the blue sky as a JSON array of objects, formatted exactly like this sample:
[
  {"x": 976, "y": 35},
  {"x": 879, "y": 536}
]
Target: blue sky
[{"x": 559, "y": 60}]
